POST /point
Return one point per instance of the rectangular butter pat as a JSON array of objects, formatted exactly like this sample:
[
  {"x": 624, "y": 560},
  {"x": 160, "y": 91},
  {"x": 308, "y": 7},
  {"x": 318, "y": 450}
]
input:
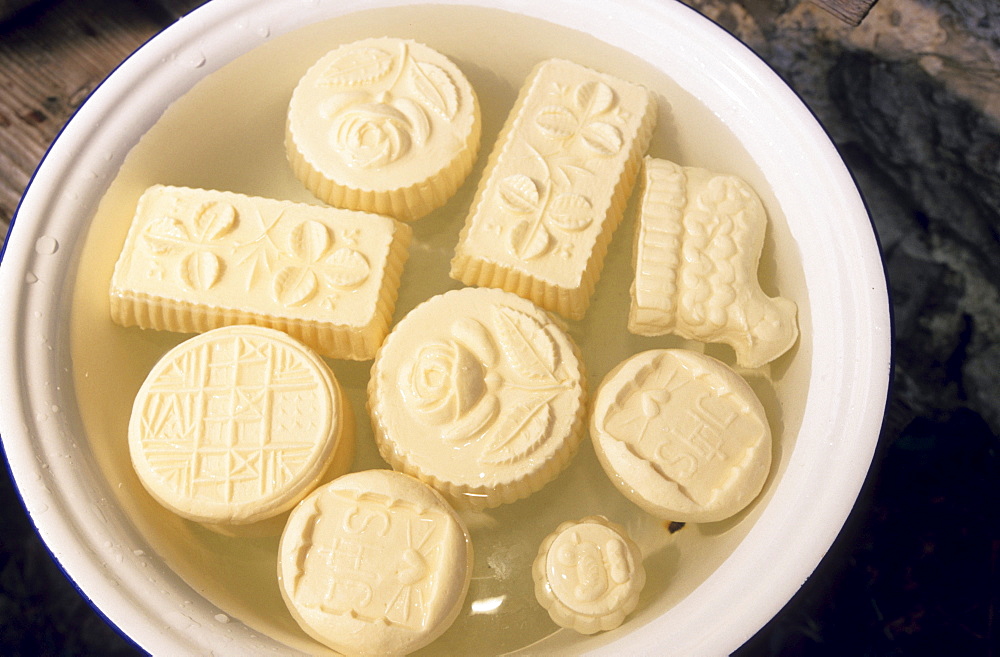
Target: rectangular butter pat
[
  {"x": 196, "y": 259},
  {"x": 555, "y": 187}
]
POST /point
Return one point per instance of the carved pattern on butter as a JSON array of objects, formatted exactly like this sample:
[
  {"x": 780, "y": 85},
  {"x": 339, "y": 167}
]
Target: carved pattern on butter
[
  {"x": 458, "y": 385},
  {"x": 697, "y": 248},
  {"x": 231, "y": 420},
  {"x": 383, "y": 115},
  {"x": 588, "y": 575},
  {"x": 275, "y": 260},
  {"x": 371, "y": 557},
  {"x": 556, "y": 185},
  {"x": 489, "y": 395},
  {"x": 374, "y": 562},
  {"x": 582, "y": 124},
  {"x": 682, "y": 435}
]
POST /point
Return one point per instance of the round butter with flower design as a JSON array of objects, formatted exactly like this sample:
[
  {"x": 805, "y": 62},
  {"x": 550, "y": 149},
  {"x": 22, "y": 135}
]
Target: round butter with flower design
[
  {"x": 588, "y": 575},
  {"x": 383, "y": 125},
  {"x": 479, "y": 393}
]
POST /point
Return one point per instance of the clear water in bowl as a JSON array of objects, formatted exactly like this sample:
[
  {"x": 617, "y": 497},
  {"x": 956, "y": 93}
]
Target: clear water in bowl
[{"x": 227, "y": 133}]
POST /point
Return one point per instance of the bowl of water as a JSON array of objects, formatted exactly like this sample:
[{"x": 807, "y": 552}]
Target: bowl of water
[{"x": 203, "y": 105}]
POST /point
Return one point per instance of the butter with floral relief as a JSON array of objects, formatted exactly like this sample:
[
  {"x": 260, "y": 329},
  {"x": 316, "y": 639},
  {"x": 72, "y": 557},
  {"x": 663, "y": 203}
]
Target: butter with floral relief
[
  {"x": 479, "y": 393},
  {"x": 681, "y": 435},
  {"x": 199, "y": 259},
  {"x": 375, "y": 563},
  {"x": 555, "y": 186},
  {"x": 383, "y": 125},
  {"x": 697, "y": 248},
  {"x": 588, "y": 574},
  {"x": 231, "y": 428}
]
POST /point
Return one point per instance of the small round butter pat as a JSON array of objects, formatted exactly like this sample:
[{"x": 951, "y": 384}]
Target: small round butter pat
[
  {"x": 374, "y": 563},
  {"x": 681, "y": 435},
  {"x": 588, "y": 575},
  {"x": 383, "y": 125},
  {"x": 479, "y": 393},
  {"x": 232, "y": 427}
]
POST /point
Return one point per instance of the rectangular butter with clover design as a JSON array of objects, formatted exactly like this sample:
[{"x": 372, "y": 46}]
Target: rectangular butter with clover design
[
  {"x": 555, "y": 186},
  {"x": 197, "y": 259}
]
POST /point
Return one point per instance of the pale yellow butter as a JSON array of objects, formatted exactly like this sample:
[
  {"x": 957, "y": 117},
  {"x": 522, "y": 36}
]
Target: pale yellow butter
[
  {"x": 556, "y": 186},
  {"x": 234, "y": 426},
  {"x": 588, "y": 575},
  {"x": 681, "y": 435},
  {"x": 479, "y": 393},
  {"x": 375, "y": 563},
  {"x": 697, "y": 248},
  {"x": 383, "y": 125},
  {"x": 197, "y": 259}
]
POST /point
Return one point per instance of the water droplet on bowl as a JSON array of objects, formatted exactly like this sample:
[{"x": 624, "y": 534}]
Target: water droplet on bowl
[
  {"x": 193, "y": 60},
  {"x": 264, "y": 31},
  {"x": 30, "y": 278},
  {"x": 222, "y": 618},
  {"x": 46, "y": 245}
]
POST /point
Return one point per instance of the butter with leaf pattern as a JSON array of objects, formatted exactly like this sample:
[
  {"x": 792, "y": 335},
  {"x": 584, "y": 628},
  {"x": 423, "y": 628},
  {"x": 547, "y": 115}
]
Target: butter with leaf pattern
[
  {"x": 555, "y": 186},
  {"x": 195, "y": 259}
]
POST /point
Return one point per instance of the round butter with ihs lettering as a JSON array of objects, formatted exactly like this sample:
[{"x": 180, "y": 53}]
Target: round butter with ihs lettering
[
  {"x": 375, "y": 563},
  {"x": 682, "y": 435},
  {"x": 233, "y": 427},
  {"x": 383, "y": 125}
]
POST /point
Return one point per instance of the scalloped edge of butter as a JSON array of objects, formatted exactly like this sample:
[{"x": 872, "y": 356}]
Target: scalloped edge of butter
[{"x": 588, "y": 575}]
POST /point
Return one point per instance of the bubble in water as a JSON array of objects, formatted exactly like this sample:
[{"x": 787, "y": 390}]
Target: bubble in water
[{"x": 46, "y": 245}]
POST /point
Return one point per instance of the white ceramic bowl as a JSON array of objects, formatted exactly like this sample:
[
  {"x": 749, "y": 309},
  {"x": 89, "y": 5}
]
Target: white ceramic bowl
[{"x": 209, "y": 96}]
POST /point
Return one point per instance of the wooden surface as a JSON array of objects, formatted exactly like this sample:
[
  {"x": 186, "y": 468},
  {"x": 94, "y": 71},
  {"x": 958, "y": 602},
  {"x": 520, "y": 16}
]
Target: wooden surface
[{"x": 52, "y": 55}]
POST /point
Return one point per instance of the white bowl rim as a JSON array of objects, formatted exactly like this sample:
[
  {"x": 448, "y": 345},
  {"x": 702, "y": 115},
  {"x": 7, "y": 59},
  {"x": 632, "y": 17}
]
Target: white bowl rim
[{"x": 37, "y": 421}]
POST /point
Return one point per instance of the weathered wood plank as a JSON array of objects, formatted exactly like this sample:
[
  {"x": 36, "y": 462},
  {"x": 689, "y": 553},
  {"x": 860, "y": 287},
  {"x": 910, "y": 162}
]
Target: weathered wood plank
[{"x": 52, "y": 55}]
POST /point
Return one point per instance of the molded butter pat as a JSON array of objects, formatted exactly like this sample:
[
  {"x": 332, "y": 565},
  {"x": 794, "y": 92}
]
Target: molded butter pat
[
  {"x": 383, "y": 125},
  {"x": 681, "y": 435},
  {"x": 234, "y": 426},
  {"x": 588, "y": 575},
  {"x": 556, "y": 187},
  {"x": 195, "y": 259},
  {"x": 479, "y": 393},
  {"x": 374, "y": 563},
  {"x": 697, "y": 248}
]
